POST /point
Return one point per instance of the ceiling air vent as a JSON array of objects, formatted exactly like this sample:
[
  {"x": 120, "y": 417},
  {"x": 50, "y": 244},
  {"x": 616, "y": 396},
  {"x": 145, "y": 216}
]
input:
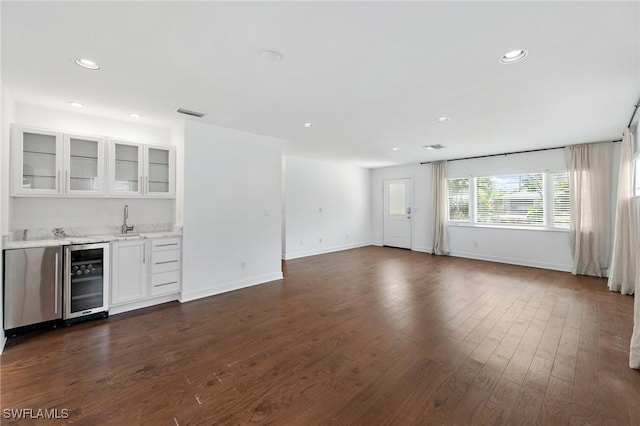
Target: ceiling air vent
[
  {"x": 433, "y": 147},
  {"x": 191, "y": 113}
]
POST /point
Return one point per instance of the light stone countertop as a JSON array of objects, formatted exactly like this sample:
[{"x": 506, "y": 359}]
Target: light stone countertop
[{"x": 64, "y": 241}]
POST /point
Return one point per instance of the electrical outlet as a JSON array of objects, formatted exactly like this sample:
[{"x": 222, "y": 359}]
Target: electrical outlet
[{"x": 242, "y": 264}]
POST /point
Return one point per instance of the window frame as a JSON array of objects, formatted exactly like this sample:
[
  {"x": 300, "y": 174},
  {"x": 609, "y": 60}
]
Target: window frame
[
  {"x": 547, "y": 204},
  {"x": 469, "y": 207}
]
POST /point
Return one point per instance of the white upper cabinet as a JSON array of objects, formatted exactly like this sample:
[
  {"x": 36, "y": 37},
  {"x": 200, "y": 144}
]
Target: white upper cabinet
[
  {"x": 84, "y": 165},
  {"x": 37, "y": 162},
  {"x": 49, "y": 163},
  {"x": 160, "y": 170},
  {"x": 142, "y": 170},
  {"x": 126, "y": 168}
]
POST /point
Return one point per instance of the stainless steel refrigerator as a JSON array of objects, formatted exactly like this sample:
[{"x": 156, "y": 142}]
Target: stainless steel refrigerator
[{"x": 32, "y": 286}]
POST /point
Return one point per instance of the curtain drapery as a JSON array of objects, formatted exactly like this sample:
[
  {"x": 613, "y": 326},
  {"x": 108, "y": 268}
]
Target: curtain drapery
[
  {"x": 441, "y": 207},
  {"x": 622, "y": 273},
  {"x": 589, "y": 168},
  {"x": 634, "y": 347}
]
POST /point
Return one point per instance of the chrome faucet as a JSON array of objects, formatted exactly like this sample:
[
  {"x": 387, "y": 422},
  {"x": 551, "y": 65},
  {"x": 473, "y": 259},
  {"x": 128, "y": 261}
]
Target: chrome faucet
[{"x": 126, "y": 228}]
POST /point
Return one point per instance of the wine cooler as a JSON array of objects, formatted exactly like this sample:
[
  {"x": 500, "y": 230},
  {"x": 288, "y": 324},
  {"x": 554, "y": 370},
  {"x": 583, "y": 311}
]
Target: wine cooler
[{"x": 86, "y": 281}]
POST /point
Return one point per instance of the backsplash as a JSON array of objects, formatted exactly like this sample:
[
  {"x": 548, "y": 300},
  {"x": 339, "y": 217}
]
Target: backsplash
[{"x": 83, "y": 231}]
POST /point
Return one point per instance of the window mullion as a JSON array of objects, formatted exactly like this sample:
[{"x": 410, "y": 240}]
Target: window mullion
[
  {"x": 472, "y": 200},
  {"x": 547, "y": 204}
]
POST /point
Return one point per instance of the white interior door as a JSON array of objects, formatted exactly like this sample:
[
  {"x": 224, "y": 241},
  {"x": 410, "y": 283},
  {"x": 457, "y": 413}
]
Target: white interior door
[{"x": 397, "y": 213}]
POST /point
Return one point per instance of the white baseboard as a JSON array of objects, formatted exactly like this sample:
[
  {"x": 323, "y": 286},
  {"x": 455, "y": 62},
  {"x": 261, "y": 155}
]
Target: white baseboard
[
  {"x": 513, "y": 261},
  {"x": 415, "y": 248},
  {"x": 325, "y": 250},
  {"x": 234, "y": 285},
  {"x": 120, "y": 309},
  {"x": 422, "y": 249}
]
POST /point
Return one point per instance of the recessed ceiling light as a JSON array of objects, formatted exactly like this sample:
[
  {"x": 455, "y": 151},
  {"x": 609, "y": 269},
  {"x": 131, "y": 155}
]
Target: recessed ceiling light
[
  {"x": 513, "y": 56},
  {"x": 394, "y": 149},
  {"x": 271, "y": 56},
  {"x": 76, "y": 104},
  {"x": 308, "y": 125},
  {"x": 87, "y": 63},
  {"x": 134, "y": 115},
  {"x": 443, "y": 119},
  {"x": 433, "y": 147}
]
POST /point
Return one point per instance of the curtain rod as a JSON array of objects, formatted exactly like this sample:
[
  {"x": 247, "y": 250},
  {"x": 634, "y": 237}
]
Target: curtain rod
[
  {"x": 634, "y": 113},
  {"x": 508, "y": 153}
]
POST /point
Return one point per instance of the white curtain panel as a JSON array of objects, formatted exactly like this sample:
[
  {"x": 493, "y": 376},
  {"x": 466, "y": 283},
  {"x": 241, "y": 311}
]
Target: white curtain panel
[
  {"x": 441, "y": 207},
  {"x": 634, "y": 349},
  {"x": 622, "y": 273},
  {"x": 590, "y": 185}
]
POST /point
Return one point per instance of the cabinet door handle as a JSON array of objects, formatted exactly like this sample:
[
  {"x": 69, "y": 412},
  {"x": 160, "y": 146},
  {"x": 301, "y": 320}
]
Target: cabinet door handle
[
  {"x": 147, "y": 190},
  {"x": 141, "y": 189},
  {"x": 144, "y": 252},
  {"x": 168, "y": 261},
  {"x": 172, "y": 282},
  {"x": 55, "y": 297},
  {"x": 166, "y": 245},
  {"x": 67, "y": 184},
  {"x": 58, "y": 186}
]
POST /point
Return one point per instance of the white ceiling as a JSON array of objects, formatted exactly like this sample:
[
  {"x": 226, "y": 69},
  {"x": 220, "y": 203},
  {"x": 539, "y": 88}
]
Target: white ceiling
[{"x": 371, "y": 76}]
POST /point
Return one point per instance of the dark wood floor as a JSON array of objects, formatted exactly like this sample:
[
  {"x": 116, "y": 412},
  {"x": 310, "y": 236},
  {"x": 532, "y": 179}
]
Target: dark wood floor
[{"x": 366, "y": 336}]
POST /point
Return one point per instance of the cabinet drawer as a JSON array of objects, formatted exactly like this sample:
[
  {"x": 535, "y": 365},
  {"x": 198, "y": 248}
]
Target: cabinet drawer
[
  {"x": 165, "y": 261},
  {"x": 167, "y": 282},
  {"x": 160, "y": 244}
]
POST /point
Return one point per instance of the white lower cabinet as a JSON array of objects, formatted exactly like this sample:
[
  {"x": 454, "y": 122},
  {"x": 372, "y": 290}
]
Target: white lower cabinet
[
  {"x": 145, "y": 272},
  {"x": 166, "y": 265},
  {"x": 128, "y": 271}
]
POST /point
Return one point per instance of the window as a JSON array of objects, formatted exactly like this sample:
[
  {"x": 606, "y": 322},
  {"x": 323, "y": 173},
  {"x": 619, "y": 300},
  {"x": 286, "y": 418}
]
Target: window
[
  {"x": 458, "y": 199},
  {"x": 397, "y": 200},
  {"x": 512, "y": 199},
  {"x": 561, "y": 200},
  {"x": 530, "y": 199}
]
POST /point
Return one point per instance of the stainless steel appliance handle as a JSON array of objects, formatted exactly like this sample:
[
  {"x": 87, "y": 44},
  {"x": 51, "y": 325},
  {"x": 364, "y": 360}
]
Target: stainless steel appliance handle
[{"x": 55, "y": 297}]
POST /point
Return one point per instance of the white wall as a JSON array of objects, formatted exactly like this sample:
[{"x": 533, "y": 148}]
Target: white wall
[
  {"x": 68, "y": 212},
  {"x": 6, "y": 116},
  {"x": 327, "y": 207},
  {"x": 538, "y": 248},
  {"x": 232, "y": 210},
  {"x": 422, "y": 217},
  {"x": 177, "y": 139}
]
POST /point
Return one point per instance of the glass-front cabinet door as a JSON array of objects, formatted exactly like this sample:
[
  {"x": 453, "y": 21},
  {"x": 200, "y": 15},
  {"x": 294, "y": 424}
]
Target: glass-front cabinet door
[
  {"x": 159, "y": 171},
  {"x": 37, "y": 161},
  {"x": 126, "y": 169},
  {"x": 84, "y": 165}
]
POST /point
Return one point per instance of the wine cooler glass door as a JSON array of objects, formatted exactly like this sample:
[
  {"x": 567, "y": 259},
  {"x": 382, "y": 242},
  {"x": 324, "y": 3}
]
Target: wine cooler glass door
[{"x": 87, "y": 278}]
